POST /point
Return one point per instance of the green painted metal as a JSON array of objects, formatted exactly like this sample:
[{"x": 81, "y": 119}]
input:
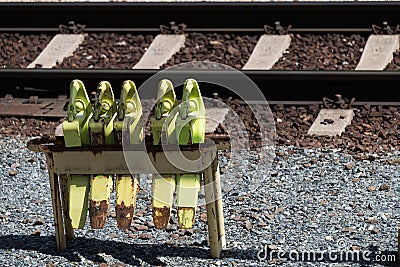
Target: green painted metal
[
  {"x": 105, "y": 123},
  {"x": 78, "y": 189},
  {"x": 129, "y": 114},
  {"x": 76, "y": 133},
  {"x": 190, "y": 128},
  {"x": 79, "y": 112},
  {"x": 188, "y": 187},
  {"x": 191, "y": 122},
  {"x": 163, "y": 123}
]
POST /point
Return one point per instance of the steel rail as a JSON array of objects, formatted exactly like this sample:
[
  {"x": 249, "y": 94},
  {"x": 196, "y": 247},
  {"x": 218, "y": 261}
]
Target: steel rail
[
  {"x": 259, "y": 30},
  {"x": 365, "y": 86},
  {"x": 302, "y": 16}
]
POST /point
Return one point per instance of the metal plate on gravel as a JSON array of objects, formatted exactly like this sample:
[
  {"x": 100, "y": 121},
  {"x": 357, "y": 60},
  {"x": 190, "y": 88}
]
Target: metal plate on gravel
[
  {"x": 331, "y": 122},
  {"x": 33, "y": 107}
]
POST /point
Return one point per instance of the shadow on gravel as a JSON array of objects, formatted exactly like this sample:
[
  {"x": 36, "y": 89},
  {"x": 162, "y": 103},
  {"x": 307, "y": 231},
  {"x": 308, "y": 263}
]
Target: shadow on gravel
[{"x": 90, "y": 248}]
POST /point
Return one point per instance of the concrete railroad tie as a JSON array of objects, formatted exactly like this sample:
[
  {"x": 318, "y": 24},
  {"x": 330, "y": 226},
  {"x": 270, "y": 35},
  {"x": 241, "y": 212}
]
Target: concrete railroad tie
[
  {"x": 60, "y": 47},
  {"x": 378, "y": 52},
  {"x": 267, "y": 52},
  {"x": 163, "y": 47}
]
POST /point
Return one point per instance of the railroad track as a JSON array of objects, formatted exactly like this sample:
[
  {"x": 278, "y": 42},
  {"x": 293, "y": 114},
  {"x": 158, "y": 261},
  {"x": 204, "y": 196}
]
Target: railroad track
[
  {"x": 307, "y": 188},
  {"x": 256, "y": 19}
]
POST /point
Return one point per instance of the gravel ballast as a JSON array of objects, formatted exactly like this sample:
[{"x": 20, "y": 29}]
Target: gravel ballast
[
  {"x": 395, "y": 63},
  {"x": 18, "y": 50},
  {"x": 123, "y": 51},
  {"x": 322, "y": 52},
  {"x": 108, "y": 51},
  {"x": 229, "y": 49},
  {"x": 309, "y": 200}
]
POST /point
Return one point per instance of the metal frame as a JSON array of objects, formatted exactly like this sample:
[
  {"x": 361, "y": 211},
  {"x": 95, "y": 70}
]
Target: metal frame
[{"x": 110, "y": 159}]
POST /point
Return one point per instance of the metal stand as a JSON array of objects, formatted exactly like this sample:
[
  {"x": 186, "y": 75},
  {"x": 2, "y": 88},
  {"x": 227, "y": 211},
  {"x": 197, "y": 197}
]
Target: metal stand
[{"x": 110, "y": 159}]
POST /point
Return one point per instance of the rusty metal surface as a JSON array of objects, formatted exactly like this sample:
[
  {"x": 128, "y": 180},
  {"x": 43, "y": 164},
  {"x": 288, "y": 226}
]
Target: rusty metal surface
[
  {"x": 161, "y": 217},
  {"x": 112, "y": 159},
  {"x": 69, "y": 231},
  {"x": 117, "y": 137},
  {"x": 98, "y": 212},
  {"x": 33, "y": 107},
  {"x": 117, "y": 162},
  {"x": 57, "y": 205},
  {"x": 96, "y": 138},
  {"x": 124, "y": 216},
  {"x": 125, "y": 212},
  {"x": 49, "y": 144}
]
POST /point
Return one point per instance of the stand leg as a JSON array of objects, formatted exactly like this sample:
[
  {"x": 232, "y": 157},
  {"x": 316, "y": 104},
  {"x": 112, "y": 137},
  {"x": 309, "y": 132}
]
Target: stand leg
[
  {"x": 215, "y": 220},
  {"x": 218, "y": 204},
  {"x": 56, "y": 201},
  {"x": 69, "y": 231}
]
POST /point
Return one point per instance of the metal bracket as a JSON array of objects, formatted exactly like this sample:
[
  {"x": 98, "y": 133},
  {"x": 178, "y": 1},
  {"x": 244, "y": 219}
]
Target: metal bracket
[
  {"x": 339, "y": 103},
  {"x": 385, "y": 29},
  {"x": 173, "y": 28},
  {"x": 71, "y": 28},
  {"x": 277, "y": 29}
]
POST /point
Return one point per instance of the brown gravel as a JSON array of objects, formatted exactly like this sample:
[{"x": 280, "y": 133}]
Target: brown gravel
[
  {"x": 229, "y": 49},
  {"x": 108, "y": 51},
  {"x": 373, "y": 129},
  {"x": 322, "y": 52},
  {"x": 18, "y": 50},
  {"x": 395, "y": 64},
  {"x": 27, "y": 126}
]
